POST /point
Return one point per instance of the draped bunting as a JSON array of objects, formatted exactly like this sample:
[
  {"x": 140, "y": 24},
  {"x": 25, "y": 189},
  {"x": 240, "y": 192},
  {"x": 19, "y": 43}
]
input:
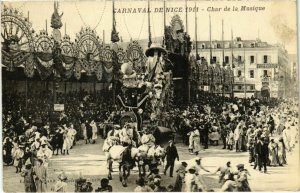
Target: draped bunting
[
  {"x": 29, "y": 66},
  {"x": 46, "y": 64},
  {"x": 108, "y": 76},
  {"x": 69, "y": 73},
  {"x": 45, "y": 57},
  {"x": 77, "y": 71},
  {"x": 68, "y": 59},
  {"x": 14, "y": 59},
  {"x": 99, "y": 71},
  {"x": 43, "y": 70},
  {"x": 108, "y": 70},
  {"x": 89, "y": 66}
]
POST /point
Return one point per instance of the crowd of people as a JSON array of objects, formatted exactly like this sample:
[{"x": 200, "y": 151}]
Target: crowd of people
[{"x": 32, "y": 131}]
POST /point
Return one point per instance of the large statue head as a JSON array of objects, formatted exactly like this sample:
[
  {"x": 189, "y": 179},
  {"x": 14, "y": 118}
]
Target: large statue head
[{"x": 127, "y": 69}]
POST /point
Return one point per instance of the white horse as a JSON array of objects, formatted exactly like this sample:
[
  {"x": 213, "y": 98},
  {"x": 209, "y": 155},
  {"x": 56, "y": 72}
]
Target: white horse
[
  {"x": 126, "y": 157},
  {"x": 153, "y": 157}
]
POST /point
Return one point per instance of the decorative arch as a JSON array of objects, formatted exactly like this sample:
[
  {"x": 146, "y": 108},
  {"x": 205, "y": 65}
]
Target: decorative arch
[
  {"x": 17, "y": 41},
  {"x": 135, "y": 54},
  {"x": 88, "y": 51}
]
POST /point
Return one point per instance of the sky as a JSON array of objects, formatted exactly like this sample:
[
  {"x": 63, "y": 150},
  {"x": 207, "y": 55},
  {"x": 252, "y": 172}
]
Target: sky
[{"x": 275, "y": 24}]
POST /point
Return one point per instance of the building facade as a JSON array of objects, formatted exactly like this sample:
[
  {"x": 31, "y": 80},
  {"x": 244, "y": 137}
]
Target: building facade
[{"x": 257, "y": 65}]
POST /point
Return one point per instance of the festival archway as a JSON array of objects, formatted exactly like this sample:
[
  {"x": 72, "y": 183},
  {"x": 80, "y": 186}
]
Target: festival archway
[{"x": 17, "y": 41}]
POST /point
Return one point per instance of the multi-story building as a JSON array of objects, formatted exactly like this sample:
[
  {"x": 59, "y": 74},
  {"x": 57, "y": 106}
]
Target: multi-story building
[
  {"x": 256, "y": 64},
  {"x": 294, "y": 75}
]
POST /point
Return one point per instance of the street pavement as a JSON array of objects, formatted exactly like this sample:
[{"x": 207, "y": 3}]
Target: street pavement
[{"x": 89, "y": 160}]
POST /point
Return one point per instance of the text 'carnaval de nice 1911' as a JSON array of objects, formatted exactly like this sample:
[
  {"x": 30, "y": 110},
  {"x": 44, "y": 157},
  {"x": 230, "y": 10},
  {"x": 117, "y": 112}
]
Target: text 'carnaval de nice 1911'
[{"x": 156, "y": 10}]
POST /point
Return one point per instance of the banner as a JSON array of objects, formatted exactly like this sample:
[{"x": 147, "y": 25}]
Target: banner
[{"x": 59, "y": 107}]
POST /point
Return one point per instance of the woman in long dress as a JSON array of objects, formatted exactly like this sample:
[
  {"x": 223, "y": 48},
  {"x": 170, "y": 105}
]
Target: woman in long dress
[
  {"x": 281, "y": 152},
  {"x": 196, "y": 141},
  {"x": 94, "y": 131},
  {"x": 83, "y": 129},
  {"x": 273, "y": 153},
  {"x": 67, "y": 142}
]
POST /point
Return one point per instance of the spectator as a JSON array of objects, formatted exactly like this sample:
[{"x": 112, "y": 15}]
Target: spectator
[
  {"x": 27, "y": 173},
  {"x": 104, "y": 186},
  {"x": 61, "y": 185},
  {"x": 141, "y": 187},
  {"x": 40, "y": 176}
]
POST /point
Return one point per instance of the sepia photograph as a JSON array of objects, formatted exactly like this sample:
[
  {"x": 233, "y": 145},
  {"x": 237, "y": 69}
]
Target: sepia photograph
[{"x": 149, "y": 96}]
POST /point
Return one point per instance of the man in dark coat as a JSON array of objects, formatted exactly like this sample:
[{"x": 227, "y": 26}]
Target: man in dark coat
[
  {"x": 89, "y": 131},
  {"x": 207, "y": 127},
  {"x": 261, "y": 154},
  {"x": 265, "y": 154},
  {"x": 171, "y": 155}
]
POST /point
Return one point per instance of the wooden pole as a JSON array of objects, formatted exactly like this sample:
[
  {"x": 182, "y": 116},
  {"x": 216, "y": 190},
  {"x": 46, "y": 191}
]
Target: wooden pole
[
  {"x": 26, "y": 98},
  {"x": 149, "y": 26},
  {"x": 186, "y": 17}
]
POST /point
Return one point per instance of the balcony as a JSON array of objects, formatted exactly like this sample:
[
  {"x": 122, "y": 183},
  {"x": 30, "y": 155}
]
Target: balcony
[{"x": 266, "y": 78}]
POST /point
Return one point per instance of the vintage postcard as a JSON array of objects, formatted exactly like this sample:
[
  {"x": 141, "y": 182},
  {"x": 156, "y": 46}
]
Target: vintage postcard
[{"x": 148, "y": 95}]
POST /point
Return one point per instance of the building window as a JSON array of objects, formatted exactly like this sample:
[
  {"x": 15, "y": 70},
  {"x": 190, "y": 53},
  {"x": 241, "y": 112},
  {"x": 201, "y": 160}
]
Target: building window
[
  {"x": 251, "y": 59},
  {"x": 251, "y": 73},
  {"x": 240, "y": 45},
  {"x": 265, "y": 73},
  {"x": 203, "y": 46},
  {"x": 251, "y": 87},
  {"x": 226, "y": 59},
  {"x": 239, "y": 73},
  {"x": 214, "y": 59},
  {"x": 240, "y": 87},
  {"x": 218, "y": 45},
  {"x": 265, "y": 59},
  {"x": 239, "y": 58}
]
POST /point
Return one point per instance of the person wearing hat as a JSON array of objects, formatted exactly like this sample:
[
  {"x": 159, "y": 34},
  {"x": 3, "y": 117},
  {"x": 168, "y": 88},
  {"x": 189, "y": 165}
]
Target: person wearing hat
[
  {"x": 104, "y": 186},
  {"x": 126, "y": 134},
  {"x": 190, "y": 180},
  {"x": 147, "y": 138},
  {"x": 287, "y": 136},
  {"x": 94, "y": 131},
  {"x": 61, "y": 185},
  {"x": 40, "y": 176},
  {"x": 223, "y": 172},
  {"x": 242, "y": 179},
  {"x": 18, "y": 156},
  {"x": 197, "y": 165},
  {"x": 83, "y": 130},
  {"x": 72, "y": 134},
  {"x": 66, "y": 141},
  {"x": 155, "y": 62},
  {"x": 87, "y": 186},
  {"x": 180, "y": 177},
  {"x": 281, "y": 152},
  {"x": 141, "y": 186},
  {"x": 44, "y": 153},
  {"x": 157, "y": 185},
  {"x": 273, "y": 153},
  {"x": 27, "y": 174},
  {"x": 171, "y": 155}
]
